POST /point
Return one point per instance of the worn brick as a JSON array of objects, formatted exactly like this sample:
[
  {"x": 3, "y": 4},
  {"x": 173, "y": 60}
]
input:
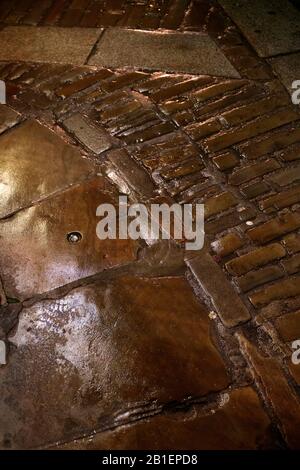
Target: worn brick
[
  {"x": 250, "y": 172},
  {"x": 292, "y": 265},
  {"x": 179, "y": 88},
  {"x": 278, "y": 201},
  {"x": 271, "y": 143},
  {"x": 276, "y": 227},
  {"x": 255, "y": 189},
  {"x": 256, "y": 278},
  {"x": 219, "y": 203},
  {"x": 247, "y": 112},
  {"x": 280, "y": 290},
  {"x": 200, "y": 130},
  {"x": 226, "y": 161},
  {"x": 149, "y": 133},
  {"x": 79, "y": 85},
  {"x": 276, "y": 389},
  {"x": 228, "y": 244},
  {"x": 255, "y": 259},
  {"x": 217, "y": 89},
  {"x": 222, "y": 223},
  {"x": 251, "y": 129},
  {"x": 286, "y": 176},
  {"x": 292, "y": 242},
  {"x": 235, "y": 98},
  {"x": 290, "y": 154},
  {"x": 280, "y": 307},
  {"x": 123, "y": 80},
  {"x": 288, "y": 326}
]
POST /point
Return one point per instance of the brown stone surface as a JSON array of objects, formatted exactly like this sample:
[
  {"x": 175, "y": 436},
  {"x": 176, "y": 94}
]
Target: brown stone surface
[
  {"x": 276, "y": 390},
  {"x": 238, "y": 423},
  {"x": 111, "y": 352},
  {"x": 35, "y": 163},
  {"x": 48, "y": 260}
]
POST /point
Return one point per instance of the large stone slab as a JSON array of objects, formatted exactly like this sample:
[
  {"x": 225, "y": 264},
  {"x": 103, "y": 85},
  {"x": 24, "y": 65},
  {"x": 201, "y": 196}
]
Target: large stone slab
[
  {"x": 271, "y": 26},
  {"x": 46, "y": 44},
  {"x": 107, "y": 353},
  {"x": 239, "y": 422},
  {"x": 174, "y": 52},
  {"x": 36, "y": 163},
  {"x": 35, "y": 253},
  {"x": 288, "y": 69}
]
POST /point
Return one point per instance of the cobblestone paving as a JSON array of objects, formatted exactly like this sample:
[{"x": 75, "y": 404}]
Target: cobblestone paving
[{"x": 129, "y": 345}]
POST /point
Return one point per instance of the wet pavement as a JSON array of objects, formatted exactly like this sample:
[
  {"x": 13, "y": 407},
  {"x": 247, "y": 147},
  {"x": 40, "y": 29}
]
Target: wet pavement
[{"x": 121, "y": 344}]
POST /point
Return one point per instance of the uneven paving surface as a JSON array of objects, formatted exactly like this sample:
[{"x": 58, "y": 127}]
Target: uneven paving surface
[{"x": 128, "y": 344}]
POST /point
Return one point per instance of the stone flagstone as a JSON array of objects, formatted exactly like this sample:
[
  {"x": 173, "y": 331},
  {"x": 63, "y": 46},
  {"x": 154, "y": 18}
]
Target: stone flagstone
[
  {"x": 35, "y": 163},
  {"x": 106, "y": 353},
  {"x": 271, "y": 26},
  {"x": 48, "y": 260},
  {"x": 46, "y": 44},
  {"x": 168, "y": 51}
]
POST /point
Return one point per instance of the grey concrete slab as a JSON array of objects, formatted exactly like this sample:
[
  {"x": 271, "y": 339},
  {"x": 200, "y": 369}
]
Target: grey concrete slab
[
  {"x": 271, "y": 26},
  {"x": 287, "y": 68},
  {"x": 43, "y": 44},
  {"x": 168, "y": 51}
]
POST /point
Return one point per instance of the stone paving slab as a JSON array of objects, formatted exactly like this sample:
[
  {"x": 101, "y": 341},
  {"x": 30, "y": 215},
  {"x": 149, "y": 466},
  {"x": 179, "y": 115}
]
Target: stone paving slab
[
  {"x": 174, "y": 52},
  {"x": 287, "y": 68},
  {"x": 8, "y": 118},
  {"x": 48, "y": 260},
  {"x": 35, "y": 163},
  {"x": 238, "y": 423},
  {"x": 271, "y": 26},
  {"x": 46, "y": 44},
  {"x": 106, "y": 353}
]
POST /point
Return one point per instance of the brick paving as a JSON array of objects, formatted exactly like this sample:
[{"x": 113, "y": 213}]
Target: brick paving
[{"x": 128, "y": 344}]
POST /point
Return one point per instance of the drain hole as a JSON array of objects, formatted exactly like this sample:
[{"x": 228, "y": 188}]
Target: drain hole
[{"x": 74, "y": 237}]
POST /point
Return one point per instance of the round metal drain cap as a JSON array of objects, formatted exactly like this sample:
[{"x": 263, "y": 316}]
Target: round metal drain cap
[{"x": 74, "y": 237}]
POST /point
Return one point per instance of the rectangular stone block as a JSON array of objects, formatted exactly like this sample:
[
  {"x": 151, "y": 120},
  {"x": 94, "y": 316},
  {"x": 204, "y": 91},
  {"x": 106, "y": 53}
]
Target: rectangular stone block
[
  {"x": 271, "y": 26},
  {"x": 173, "y": 52},
  {"x": 92, "y": 137},
  {"x": 46, "y": 44},
  {"x": 213, "y": 281}
]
